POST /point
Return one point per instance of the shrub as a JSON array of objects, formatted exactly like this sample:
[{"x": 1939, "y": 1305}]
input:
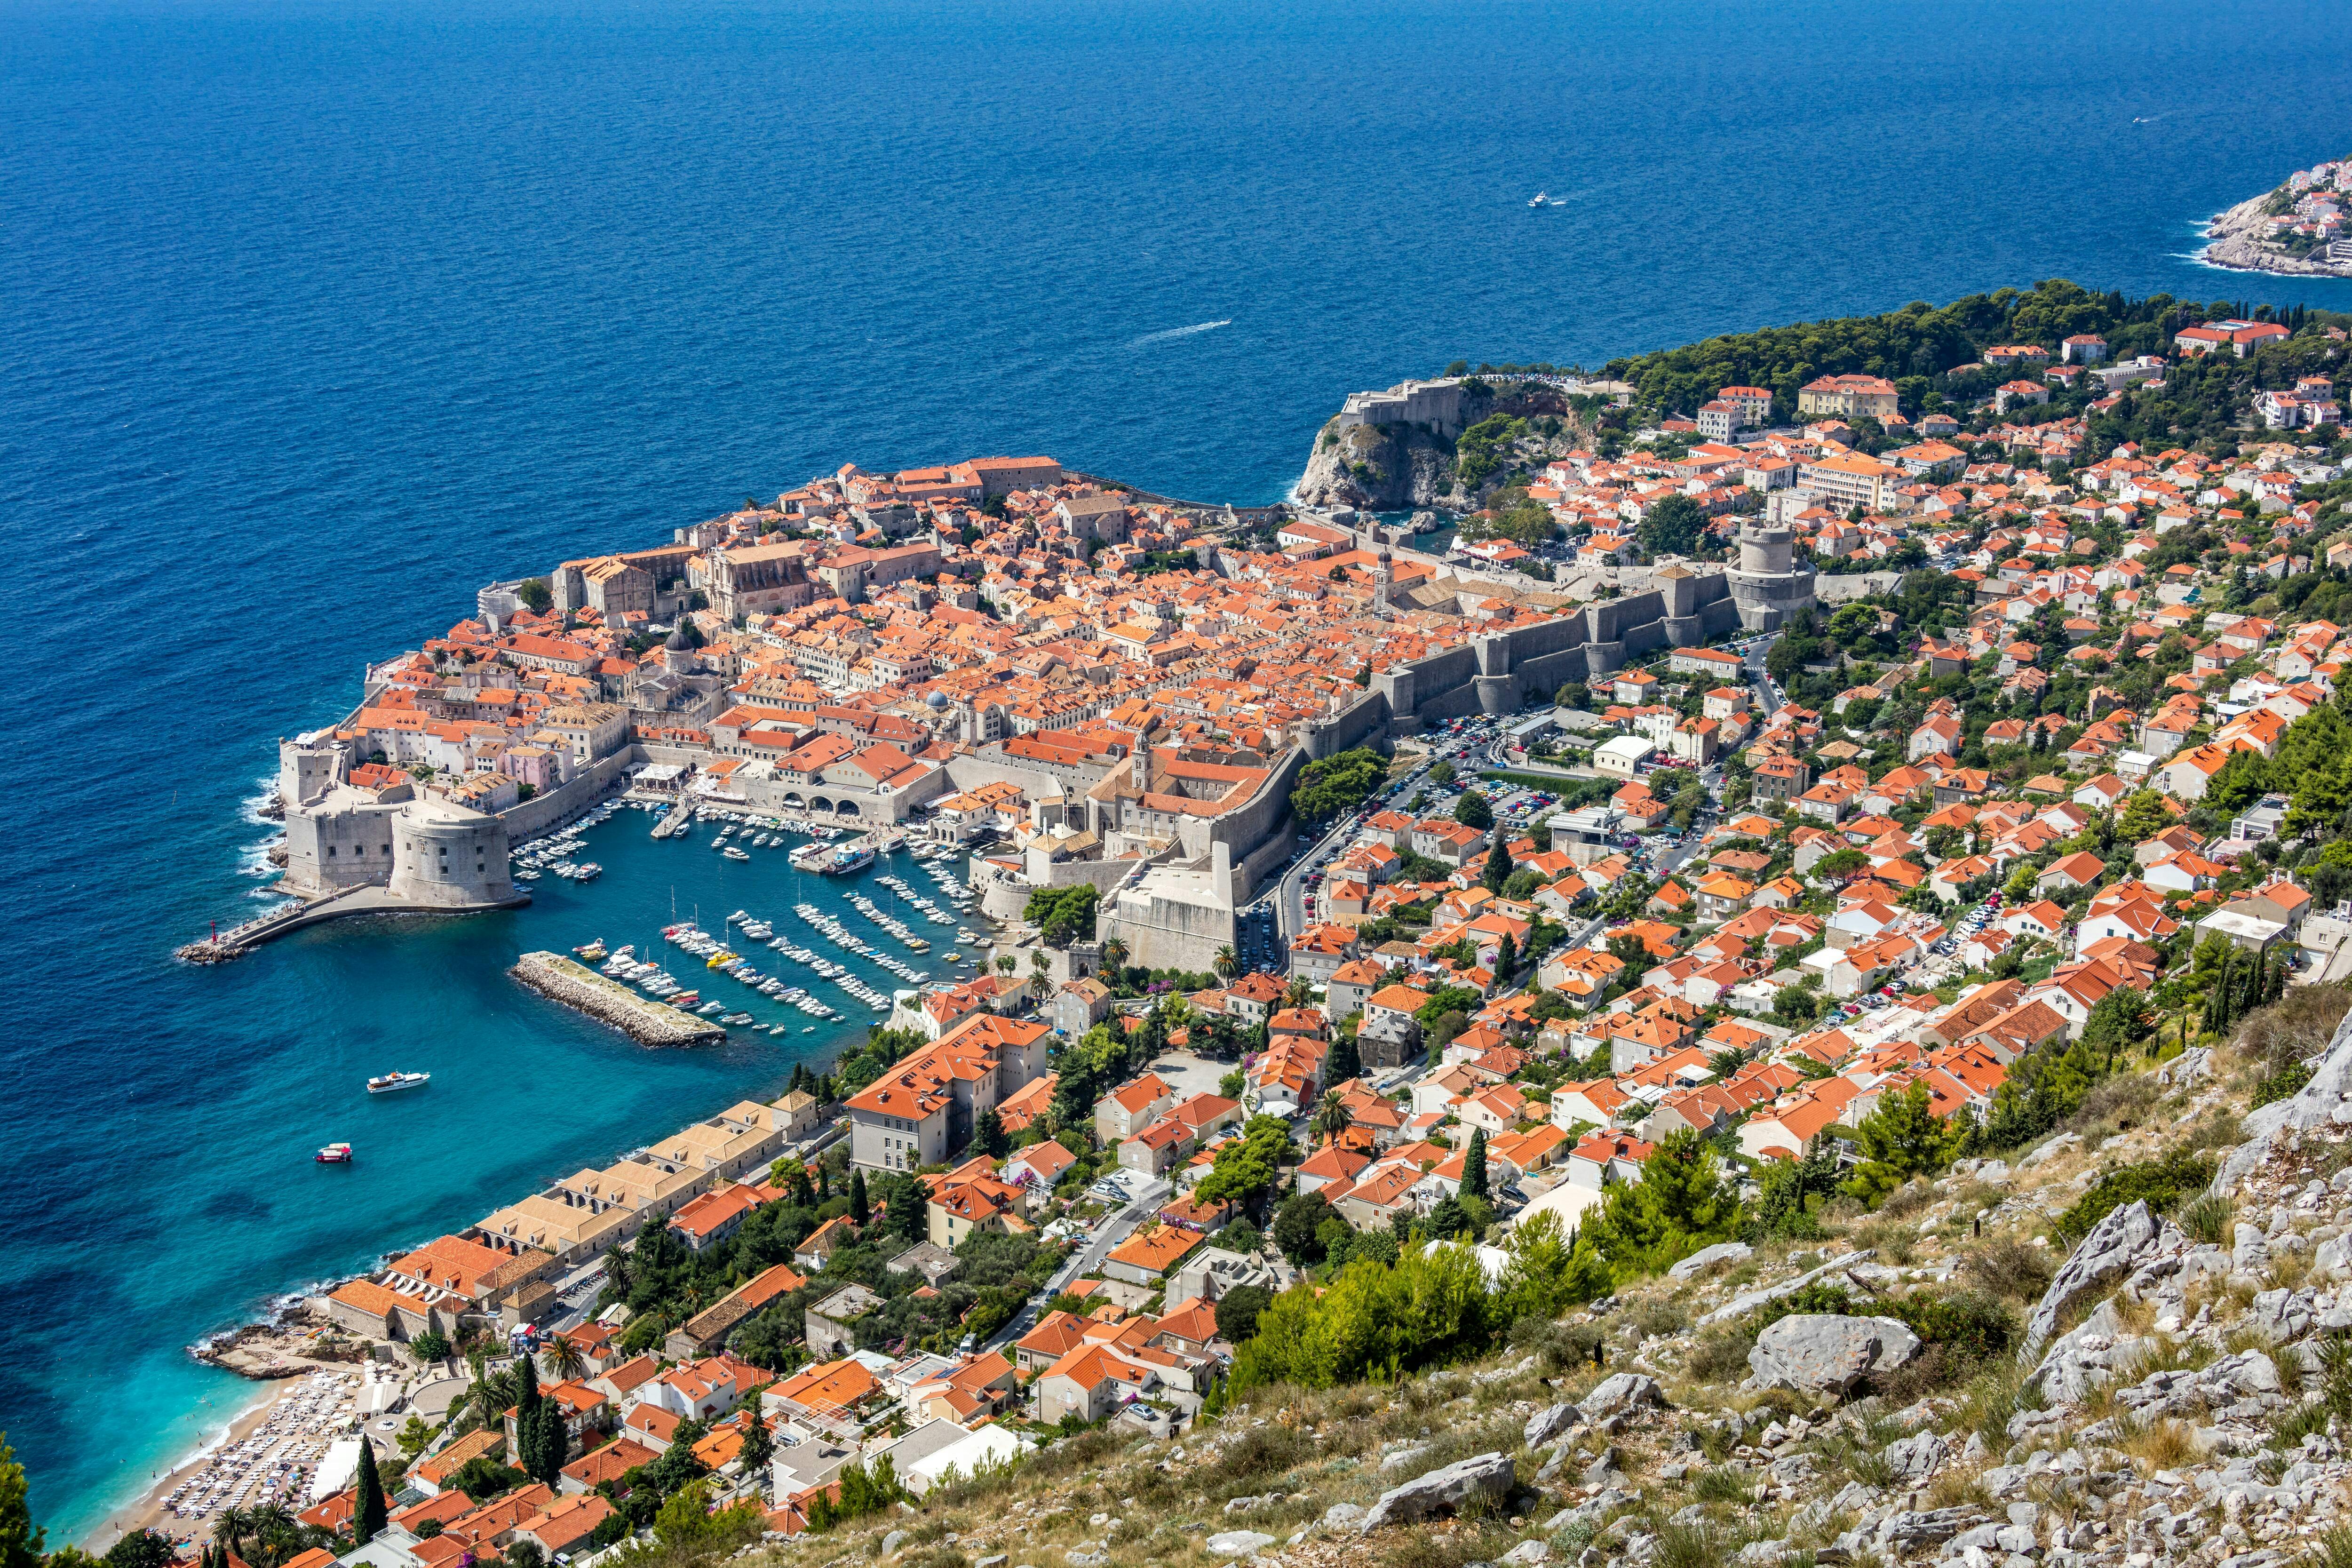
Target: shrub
[
  {"x": 2013, "y": 1269},
  {"x": 2206, "y": 1219},
  {"x": 2162, "y": 1184}
]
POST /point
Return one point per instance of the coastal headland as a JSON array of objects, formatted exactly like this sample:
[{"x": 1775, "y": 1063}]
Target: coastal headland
[{"x": 2298, "y": 229}]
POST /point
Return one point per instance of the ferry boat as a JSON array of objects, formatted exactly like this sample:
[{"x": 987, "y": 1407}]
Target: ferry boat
[
  {"x": 393, "y": 1082},
  {"x": 849, "y": 858},
  {"x": 334, "y": 1155},
  {"x": 591, "y": 952},
  {"x": 734, "y": 854},
  {"x": 810, "y": 856}
]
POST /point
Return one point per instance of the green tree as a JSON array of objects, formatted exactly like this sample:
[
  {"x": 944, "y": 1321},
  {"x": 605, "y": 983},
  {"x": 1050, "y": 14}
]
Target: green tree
[
  {"x": 1228, "y": 962},
  {"x": 368, "y": 1509},
  {"x": 1681, "y": 1203},
  {"x": 1238, "y": 1310},
  {"x": 1295, "y": 1223},
  {"x": 139, "y": 1549},
  {"x": 1473, "y": 1164},
  {"x": 1901, "y": 1139},
  {"x": 759, "y": 1444},
  {"x": 1344, "y": 1062},
  {"x": 1471, "y": 810},
  {"x": 1497, "y": 869},
  {"x": 1673, "y": 525},
  {"x": 861, "y": 1206},
  {"x": 988, "y": 1133},
  {"x": 21, "y": 1540},
  {"x": 1331, "y": 1115},
  {"x": 535, "y": 595}
]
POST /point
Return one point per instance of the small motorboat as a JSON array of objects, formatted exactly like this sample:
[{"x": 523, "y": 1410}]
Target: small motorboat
[
  {"x": 593, "y": 953},
  {"x": 1540, "y": 200},
  {"x": 334, "y": 1155},
  {"x": 393, "y": 1082}
]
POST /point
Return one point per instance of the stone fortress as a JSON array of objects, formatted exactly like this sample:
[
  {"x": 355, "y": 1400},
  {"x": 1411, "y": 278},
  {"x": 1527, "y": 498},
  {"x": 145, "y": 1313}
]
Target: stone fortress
[{"x": 343, "y": 835}]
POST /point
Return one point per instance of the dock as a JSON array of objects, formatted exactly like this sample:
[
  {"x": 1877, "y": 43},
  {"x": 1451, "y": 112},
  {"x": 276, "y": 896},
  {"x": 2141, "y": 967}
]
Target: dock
[
  {"x": 582, "y": 989},
  {"x": 675, "y": 821},
  {"x": 369, "y": 900}
]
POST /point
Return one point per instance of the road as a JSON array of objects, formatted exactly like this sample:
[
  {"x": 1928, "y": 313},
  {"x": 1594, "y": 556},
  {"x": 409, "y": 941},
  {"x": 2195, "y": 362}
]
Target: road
[
  {"x": 1289, "y": 897},
  {"x": 1768, "y": 699},
  {"x": 1113, "y": 1229}
]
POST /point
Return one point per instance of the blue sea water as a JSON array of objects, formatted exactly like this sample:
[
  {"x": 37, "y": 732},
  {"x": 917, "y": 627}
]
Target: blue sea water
[{"x": 316, "y": 314}]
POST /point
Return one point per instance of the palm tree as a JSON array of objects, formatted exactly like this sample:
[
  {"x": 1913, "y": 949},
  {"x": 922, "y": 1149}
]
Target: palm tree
[
  {"x": 1038, "y": 965},
  {"x": 1299, "y": 992},
  {"x": 491, "y": 1394},
  {"x": 1331, "y": 1117},
  {"x": 618, "y": 1267},
  {"x": 1114, "y": 953},
  {"x": 1228, "y": 965},
  {"x": 564, "y": 1359},
  {"x": 229, "y": 1526},
  {"x": 1004, "y": 965}
]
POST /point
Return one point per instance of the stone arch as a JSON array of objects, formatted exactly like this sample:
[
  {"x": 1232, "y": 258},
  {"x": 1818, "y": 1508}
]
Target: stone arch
[
  {"x": 847, "y": 809},
  {"x": 818, "y": 803},
  {"x": 793, "y": 801}
]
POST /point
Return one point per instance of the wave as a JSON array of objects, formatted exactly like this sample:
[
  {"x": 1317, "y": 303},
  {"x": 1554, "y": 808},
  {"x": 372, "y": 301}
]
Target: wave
[{"x": 1179, "y": 333}]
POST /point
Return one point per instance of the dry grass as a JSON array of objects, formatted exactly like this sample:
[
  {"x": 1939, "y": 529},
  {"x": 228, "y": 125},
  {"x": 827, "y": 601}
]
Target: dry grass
[{"x": 2159, "y": 1444}]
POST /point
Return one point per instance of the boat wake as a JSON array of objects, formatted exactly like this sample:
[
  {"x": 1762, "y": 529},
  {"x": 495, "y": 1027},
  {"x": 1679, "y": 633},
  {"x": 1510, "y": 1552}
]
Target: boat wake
[{"x": 1179, "y": 333}]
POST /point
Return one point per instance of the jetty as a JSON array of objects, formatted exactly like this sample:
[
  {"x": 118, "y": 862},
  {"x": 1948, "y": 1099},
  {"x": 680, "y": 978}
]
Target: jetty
[
  {"x": 675, "y": 821},
  {"x": 582, "y": 989},
  {"x": 371, "y": 899}
]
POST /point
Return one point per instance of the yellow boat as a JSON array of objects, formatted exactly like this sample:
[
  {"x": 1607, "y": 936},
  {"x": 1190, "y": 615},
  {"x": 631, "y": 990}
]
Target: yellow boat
[{"x": 716, "y": 959}]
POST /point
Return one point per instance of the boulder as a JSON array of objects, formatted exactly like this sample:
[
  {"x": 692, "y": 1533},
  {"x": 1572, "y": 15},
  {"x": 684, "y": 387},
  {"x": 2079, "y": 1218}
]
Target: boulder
[
  {"x": 1914, "y": 1458},
  {"x": 1238, "y": 1544},
  {"x": 1818, "y": 1352},
  {"x": 2130, "y": 1241},
  {"x": 1341, "y": 1513},
  {"x": 2326, "y": 1099},
  {"x": 1706, "y": 1258},
  {"x": 1441, "y": 1489},
  {"x": 1748, "y": 1301},
  {"x": 1526, "y": 1554},
  {"x": 1551, "y": 1421},
  {"x": 1620, "y": 1393}
]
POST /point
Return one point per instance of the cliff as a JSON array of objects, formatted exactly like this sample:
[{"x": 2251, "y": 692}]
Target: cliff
[
  {"x": 1392, "y": 467},
  {"x": 1377, "y": 468},
  {"x": 2239, "y": 238}
]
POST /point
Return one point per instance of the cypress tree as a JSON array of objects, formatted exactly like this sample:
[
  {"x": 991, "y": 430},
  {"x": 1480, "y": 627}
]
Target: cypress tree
[
  {"x": 1506, "y": 958},
  {"x": 368, "y": 1511},
  {"x": 1474, "y": 1165},
  {"x": 860, "y": 1207}
]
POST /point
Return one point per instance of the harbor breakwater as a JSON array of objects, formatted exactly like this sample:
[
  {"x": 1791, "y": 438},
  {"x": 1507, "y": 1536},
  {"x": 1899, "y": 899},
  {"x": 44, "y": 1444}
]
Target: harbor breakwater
[{"x": 644, "y": 1020}]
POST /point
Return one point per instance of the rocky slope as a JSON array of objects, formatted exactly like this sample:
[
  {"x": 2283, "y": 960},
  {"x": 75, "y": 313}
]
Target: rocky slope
[
  {"x": 2174, "y": 1391},
  {"x": 1373, "y": 469},
  {"x": 1397, "y": 467},
  {"x": 2235, "y": 239}
]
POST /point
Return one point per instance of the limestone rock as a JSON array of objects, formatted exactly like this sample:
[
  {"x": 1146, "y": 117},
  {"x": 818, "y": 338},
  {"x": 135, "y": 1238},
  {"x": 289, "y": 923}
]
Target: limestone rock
[
  {"x": 1620, "y": 1393},
  {"x": 2129, "y": 1241},
  {"x": 1706, "y": 1258},
  {"x": 1549, "y": 1422},
  {"x": 1748, "y": 1301},
  {"x": 1444, "y": 1489},
  {"x": 1527, "y": 1554},
  {"x": 1234, "y": 1543},
  {"x": 1342, "y": 1514},
  {"x": 1818, "y": 1352},
  {"x": 2325, "y": 1099},
  {"x": 1914, "y": 1458}
]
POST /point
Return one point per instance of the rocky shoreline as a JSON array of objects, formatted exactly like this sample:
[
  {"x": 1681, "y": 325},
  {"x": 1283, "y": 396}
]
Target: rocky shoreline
[
  {"x": 648, "y": 1023},
  {"x": 2233, "y": 239}
]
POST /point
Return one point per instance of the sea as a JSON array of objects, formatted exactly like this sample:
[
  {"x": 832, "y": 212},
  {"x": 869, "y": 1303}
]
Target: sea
[{"x": 315, "y": 315}]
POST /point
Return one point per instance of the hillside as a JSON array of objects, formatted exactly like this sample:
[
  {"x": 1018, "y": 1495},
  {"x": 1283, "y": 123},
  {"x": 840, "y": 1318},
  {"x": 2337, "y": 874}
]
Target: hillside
[{"x": 2183, "y": 1407}]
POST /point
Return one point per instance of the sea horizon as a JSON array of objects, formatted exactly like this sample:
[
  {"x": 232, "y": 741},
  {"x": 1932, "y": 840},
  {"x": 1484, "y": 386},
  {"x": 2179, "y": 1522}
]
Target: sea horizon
[{"x": 320, "y": 316}]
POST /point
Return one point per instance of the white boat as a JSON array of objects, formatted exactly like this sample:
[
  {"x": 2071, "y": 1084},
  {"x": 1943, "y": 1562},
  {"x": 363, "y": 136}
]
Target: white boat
[
  {"x": 393, "y": 1082},
  {"x": 734, "y": 854},
  {"x": 1541, "y": 200}
]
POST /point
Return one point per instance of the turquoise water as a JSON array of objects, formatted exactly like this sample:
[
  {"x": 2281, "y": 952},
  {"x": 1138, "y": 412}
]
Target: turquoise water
[{"x": 315, "y": 315}]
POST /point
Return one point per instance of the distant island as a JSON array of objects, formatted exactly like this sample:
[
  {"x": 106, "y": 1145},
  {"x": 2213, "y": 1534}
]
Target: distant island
[{"x": 2299, "y": 229}]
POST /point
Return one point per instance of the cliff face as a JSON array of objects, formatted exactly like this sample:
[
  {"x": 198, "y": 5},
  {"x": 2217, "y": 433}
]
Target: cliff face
[
  {"x": 1394, "y": 467},
  {"x": 2235, "y": 239},
  {"x": 1377, "y": 470}
]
